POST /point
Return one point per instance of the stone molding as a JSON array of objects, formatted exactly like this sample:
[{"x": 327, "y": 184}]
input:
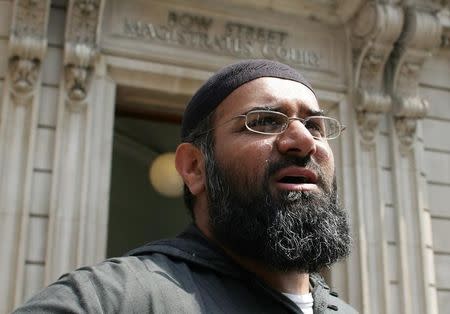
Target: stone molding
[
  {"x": 420, "y": 36},
  {"x": 444, "y": 17},
  {"x": 376, "y": 27},
  {"x": 27, "y": 47},
  {"x": 81, "y": 49}
]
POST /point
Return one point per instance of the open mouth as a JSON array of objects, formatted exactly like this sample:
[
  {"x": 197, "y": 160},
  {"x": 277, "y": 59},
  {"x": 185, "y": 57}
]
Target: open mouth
[{"x": 294, "y": 180}]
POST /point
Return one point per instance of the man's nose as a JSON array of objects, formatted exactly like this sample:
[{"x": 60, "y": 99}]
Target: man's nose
[{"x": 296, "y": 140}]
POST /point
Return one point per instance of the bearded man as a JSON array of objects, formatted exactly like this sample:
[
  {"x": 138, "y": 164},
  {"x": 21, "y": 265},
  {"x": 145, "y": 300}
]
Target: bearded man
[{"x": 260, "y": 183}]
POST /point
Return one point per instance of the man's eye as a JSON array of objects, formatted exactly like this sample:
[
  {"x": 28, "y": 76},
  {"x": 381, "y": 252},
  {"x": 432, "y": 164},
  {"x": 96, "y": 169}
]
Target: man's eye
[
  {"x": 315, "y": 127},
  {"x": 264, "y": 123}
]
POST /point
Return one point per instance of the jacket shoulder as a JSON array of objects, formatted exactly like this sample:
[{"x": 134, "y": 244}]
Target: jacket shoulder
[
  {"x": 326, "y": 300},
  {"x": 343, "y": 307},
  {"x": 125, "y": 284}
]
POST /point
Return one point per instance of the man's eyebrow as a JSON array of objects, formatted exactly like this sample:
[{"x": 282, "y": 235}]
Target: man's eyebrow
[
  {"x": 313, "y": 112},
  {"x": 307, "y": 111},
  {"x": 265, "y": 108}
]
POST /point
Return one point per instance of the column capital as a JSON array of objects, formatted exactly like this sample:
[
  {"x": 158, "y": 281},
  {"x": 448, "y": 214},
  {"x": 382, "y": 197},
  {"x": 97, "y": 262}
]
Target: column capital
[
  {"x": 375, "y": 29},
  {"x": 421, "y": 35},
  {"x": 27, "y": 47},
  {"x": 81, "y": 49}
]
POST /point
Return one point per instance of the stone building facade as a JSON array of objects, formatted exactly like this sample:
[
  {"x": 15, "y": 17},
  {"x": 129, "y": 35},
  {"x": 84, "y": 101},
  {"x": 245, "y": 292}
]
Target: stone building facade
[{"x": 382, "y": 67}]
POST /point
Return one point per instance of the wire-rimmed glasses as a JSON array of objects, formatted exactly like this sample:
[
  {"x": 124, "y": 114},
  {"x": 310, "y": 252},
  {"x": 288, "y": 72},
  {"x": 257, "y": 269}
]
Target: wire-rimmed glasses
[{"x": 273, "y": 122}]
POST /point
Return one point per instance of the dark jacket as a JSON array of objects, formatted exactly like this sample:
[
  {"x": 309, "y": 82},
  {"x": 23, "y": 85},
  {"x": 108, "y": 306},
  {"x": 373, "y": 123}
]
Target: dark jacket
[{"x": 186, "y": 274}]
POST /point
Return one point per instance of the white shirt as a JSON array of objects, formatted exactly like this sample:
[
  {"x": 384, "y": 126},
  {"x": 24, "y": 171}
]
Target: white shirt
[{"x": 304, "y": 301}]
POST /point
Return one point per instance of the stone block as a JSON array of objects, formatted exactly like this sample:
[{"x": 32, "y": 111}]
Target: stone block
[
  {"x": 390, "y": 224},
  {"x": 443, "y": 301},
  {"x": 383, "y": 126},
  {"x": 34, "y": 280},
  {"x": 435, "y": 134},
  {"x": 5, "y": 18},
  {"x": 392, "y": 262},
  {"x": 435, "y": 72},
  {"x": 438, "y": 100},
  {"x": 45, "y": 143},
  {"x": 384, "y": 153},
  {"x": 437, "y": 167},
  {"x": 51, "y": 71},
  {"x": 56, "y": 27},
  {"x": 37, "y": 239},
  {"x": 48, "y": 106},
  {"x": 4, "y": 59},
  {"x": 441, "y": 229},
  {"x": 442, "y": 263},
  {"x": 438, "y": 199},
  {"x": 40, "y": 193},
  {"x": 386, "y": 186},
  {"x": 394, "y": 298}
]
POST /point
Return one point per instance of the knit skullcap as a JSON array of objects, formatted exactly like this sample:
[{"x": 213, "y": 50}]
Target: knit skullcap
[{"x": 225, "y": 81}]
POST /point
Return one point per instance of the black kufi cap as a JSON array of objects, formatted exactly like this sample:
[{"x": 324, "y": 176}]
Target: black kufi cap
[{"x": 225, "y": 81}]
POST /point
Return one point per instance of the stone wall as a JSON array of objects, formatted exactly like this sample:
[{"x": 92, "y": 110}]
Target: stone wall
[
  {"x": 55, "y": 144},
  {"x": 435, "y": 86},
  {"x": 369, "y": 62}
]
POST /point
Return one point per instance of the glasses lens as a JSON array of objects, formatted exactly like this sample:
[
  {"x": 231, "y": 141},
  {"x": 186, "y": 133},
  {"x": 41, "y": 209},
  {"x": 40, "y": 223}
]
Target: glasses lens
[
  {"x": 323, "y": 127},
  {"x": 268, "y": 122}
]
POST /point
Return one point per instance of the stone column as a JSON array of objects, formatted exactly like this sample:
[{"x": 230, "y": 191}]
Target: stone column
[
  {"x": 420, "y": 35},
  {"x": 375, "y": 29},
  {"x": 18, "y": 132},
  {"x": 80, "y": 189}
]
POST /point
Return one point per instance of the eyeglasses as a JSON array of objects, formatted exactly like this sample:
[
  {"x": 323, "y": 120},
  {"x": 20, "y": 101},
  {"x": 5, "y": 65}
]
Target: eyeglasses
[{"x": 274, "y": 122}]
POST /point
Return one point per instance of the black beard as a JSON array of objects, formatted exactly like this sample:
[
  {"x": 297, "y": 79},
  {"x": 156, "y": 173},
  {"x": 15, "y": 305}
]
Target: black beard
[{"x": 300, "y": 231}]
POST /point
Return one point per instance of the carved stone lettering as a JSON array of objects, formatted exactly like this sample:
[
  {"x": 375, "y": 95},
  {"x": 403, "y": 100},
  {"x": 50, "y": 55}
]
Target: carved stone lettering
[
  {"x": 228, "y": 38},
  {"x": 189, "y": 21}
]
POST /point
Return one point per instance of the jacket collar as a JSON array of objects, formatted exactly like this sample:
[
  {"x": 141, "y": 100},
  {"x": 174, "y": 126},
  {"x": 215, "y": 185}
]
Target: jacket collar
[{"x": 193, "y": 247}]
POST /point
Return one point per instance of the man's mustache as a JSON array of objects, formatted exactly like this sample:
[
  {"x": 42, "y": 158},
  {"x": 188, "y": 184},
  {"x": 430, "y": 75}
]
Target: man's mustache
[
  {"x": 289, "y": 161},
  {"x": 297, "y": 161}
]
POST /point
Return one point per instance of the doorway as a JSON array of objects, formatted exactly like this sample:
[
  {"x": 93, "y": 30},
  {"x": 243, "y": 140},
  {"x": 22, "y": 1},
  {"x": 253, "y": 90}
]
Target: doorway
[{"x": 138, "y": 213}]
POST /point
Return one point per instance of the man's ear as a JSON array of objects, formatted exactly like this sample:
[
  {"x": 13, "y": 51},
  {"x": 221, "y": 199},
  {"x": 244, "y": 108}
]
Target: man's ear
[{"x": 190, "y": 165}]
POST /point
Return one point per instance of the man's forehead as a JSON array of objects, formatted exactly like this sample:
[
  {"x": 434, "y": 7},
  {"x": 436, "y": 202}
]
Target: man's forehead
[{"x": 269, "y": 93}]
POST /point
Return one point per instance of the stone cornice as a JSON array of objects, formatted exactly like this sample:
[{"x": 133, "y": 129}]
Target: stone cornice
[
  {"x": 81, "y": 49},
  {"x": 374, "y": 32},
  {"x": 420, "y": 36},
  {"x": 331, "y": 12},
  {"x": 27, "y": 47}
]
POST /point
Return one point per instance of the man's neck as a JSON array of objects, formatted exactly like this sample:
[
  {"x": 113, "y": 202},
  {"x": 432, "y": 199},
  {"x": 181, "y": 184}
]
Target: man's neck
[{"x": 293, "y": 282}]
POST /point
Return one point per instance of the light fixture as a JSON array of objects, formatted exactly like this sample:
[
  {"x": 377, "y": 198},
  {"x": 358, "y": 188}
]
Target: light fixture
[{"x": 164, "y": 177}]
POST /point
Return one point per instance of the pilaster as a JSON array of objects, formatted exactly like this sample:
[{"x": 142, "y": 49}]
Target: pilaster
[
  {"x": 421, "y": 35},
  {"x": 375, "y": 30},
  {"x": 18, "y": 122},
  {"x": 79, "y": 196}
]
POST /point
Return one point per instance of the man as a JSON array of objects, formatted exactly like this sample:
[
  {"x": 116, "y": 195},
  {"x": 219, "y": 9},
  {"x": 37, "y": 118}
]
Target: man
[{"x": 260, "y": 184}]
